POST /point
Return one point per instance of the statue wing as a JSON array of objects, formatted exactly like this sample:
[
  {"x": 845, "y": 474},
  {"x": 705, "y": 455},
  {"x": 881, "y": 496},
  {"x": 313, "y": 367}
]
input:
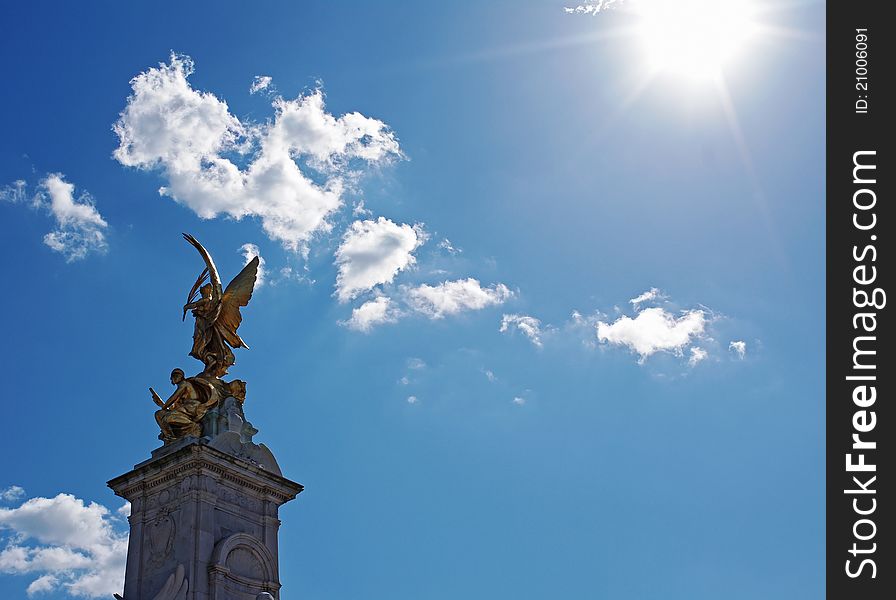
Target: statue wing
[
  {"x": 209, "y": 263},
  {"x": 237, "y": 294}
]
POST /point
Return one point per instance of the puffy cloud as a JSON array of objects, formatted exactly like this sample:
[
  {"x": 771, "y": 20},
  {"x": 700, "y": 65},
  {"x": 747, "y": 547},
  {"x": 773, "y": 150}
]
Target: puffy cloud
[
  {"x": 697, "y": 354},
  {"x": 653, "y": 330},
  {"x": 519, "y": 401},
  {"x": 71, "y": 544},
  {"x": 12, "y": 493},
  {"x": 260, "y": 83},
  {"x": 373, "y": 253},
  {"x": 250, "y": 251},
  {"x": 452, "y": 297},
  {"x": 529, "y": 326},
  {"x": 200, "y": 147},
  {"x": 739, "y": 347},
  {"x": 372, "y": 313},
  {"x": 413, "y": 400}
]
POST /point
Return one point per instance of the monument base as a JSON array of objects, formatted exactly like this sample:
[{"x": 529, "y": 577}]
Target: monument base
[{"x": 204, "y": 522}]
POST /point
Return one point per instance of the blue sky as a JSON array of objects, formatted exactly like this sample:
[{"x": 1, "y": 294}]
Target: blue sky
[{"x": 456, "y": 169}]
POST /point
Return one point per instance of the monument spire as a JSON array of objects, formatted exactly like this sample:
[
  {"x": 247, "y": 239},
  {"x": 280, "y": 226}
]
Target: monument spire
[{"x": 204, "y": 508}]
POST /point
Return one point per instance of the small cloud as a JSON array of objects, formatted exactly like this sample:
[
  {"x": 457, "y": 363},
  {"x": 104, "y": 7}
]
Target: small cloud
[
  {"x": 452, "y": 297},
  {"x": 447, "y": 246},
  {"x": 416, "y": 364},
  {"x": 529, "y": 326},
  {"x": 697, "y": 354},
  {"x": 15, "y": 192},
  {"x": 404, "y": 380},
  {"x": 519, "y": 401},
  {"x": 80, "y": 229},
  {"x": 739, "y": 347},
  {"x": 648, "y": 296},
  {"x": 653, "y": 330},
  {"x": 12, "y": 493},
  {"x": 360, "y": 210},
  {"x": 260, "y": 83},
  {"x": 592, "y": 8},
  {"x": 373, "y": 253},
  {"x": 124, "y": 510},
  {"x": 372, "y": 313},
  {"x": 250, "y": 251},
  {"x": 413, "y": 400},
  {"x": 490, "y": 376}
]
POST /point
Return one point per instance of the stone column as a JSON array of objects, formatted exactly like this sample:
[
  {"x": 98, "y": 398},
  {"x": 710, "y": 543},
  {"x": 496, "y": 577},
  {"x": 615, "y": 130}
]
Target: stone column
[{"x": 204, "y": 507}]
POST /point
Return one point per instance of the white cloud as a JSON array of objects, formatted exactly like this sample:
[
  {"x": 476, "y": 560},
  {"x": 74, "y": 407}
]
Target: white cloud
[
  {"x": 648, "y": 296},
  {"x": 416, "y": 363},
  {"x": 519, "y": 401},
  {"x": 653, "y": 330},
  {"x": 12, "y": 493},
  {"x": 372, "y": 253},
  {"x": 42, "y": 585},
  {"x": 71, "y": 544},
  {"x": 448, "y": 247},
  {"x": 250, "y": 251},
  {"x": 593, "y": 8},
  {"x": 372, "y": 313},
  {"x": 15, "y": 192},
  {"x": 490, "y": 375},
  {"x": 529, "y": 326},
  {"x": 199, "y": 146},
  {"x": 79, "y": 226},
  {"x": 697, "y": 354},
  {"x": 260, "y": 83},
  {"x": 739, "y": 347},
  {"x": 413, "y": 400},
  {"x": 452, "y": 297}
]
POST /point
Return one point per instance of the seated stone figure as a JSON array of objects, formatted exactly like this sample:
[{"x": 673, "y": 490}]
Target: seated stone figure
[{"x": 181, "y": 415}]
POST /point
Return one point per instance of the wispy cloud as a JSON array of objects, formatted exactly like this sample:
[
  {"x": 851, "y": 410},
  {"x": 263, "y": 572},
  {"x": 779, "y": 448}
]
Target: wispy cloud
[
  {"x": 697, "y": 355},
  {"x": 527, "y": 325},
  {"x": 648, "y": 296},
  {"x": 593, "y": 8},
  {"x": 260, "y": 83},
  {"x": 739, "y": 348},
  {"x": 80, "y": 229}
]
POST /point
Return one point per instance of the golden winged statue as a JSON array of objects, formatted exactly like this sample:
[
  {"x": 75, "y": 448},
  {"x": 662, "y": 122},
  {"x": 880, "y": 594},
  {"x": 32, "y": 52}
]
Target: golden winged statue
[{"x": 217, "y": 312}]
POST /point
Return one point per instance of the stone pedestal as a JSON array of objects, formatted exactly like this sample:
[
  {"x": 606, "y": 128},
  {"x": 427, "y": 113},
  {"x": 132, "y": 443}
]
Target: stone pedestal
[{"x": 205, "y": 512}]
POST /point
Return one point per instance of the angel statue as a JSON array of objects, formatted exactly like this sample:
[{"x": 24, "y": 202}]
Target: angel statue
[{"x": 217, "y": 312}]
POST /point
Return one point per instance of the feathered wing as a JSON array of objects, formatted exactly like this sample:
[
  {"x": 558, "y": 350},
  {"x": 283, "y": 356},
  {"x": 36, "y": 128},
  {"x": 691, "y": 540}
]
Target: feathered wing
[{"x": 237, "y": 294}]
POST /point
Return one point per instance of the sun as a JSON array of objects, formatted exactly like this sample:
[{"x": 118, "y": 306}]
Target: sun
[{"x": 694, "y": 39}]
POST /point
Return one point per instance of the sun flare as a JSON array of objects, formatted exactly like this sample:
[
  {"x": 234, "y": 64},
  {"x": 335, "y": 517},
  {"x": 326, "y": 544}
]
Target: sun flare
[{"x": 694, "y": 39}]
